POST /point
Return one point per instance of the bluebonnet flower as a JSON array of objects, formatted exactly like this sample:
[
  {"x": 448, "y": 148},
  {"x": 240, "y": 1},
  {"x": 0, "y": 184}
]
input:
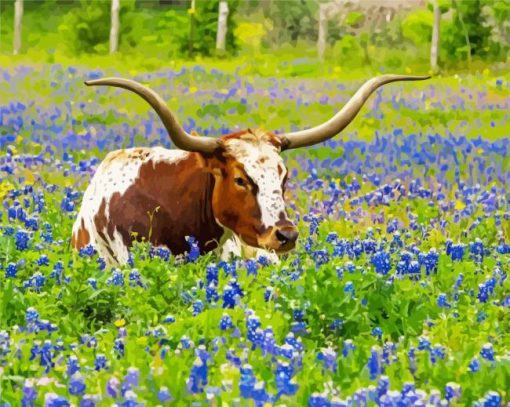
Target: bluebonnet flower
[
  {"x": 169, "y": 319},
  {"x": 53, "y": 400},
  {"x": 437, "y": 352},
  {"x": 336, "y": 324},
  {"x": 283, "y": 377},
  {"x": 477, "y": 250},
  {"x": 348, "y": 348},
  {"x": 194, "y": 250},
  {"x": 92, "y": 282},
  {"x": 349, "y": 288},
  {"x": 230, "y": 296},
  {"x": 87, "y": 251},
  {"x": 377, "y": 332},
  {"x": 328, "y": 357},
  {"x": 57, "y": 272},
  {"x": 226, "y": 322},
  {"x": 131, "y": 399},
  {"x": 474, "y": 365},
  {"x": 132, "y": 377},
  {"x": 186, "y": 342},
  {"x": 383, "y": 385},
  {"x": 331, "y": 237},
  {"x": 113, "y": 387},
  {"x": 268, "y": 294},
  {"x": 8, "y": 231},
  {"x": 118, "y": 347},
  {"x": 318, "y": 400},
  {"x": 247, "y": 381},
  {"x": 458, "y": 282},
  {"x": 100, "y": 362},
  {"x": 164, "y": 395},
  {"x": 374, "y": 362},
  {"x": 32, "y": 224},
  {"x": 135, "y": 279},
  {"x": 31, "y": 315},
  {"x": 198, "y": 376},
  {"x": 457, "y": 251},
  {"x": 46, "y": 356},
  {"x": 198, "y": 307},
  {"x": 452, "y": 391},
  {"x": 89, "y": 400},
  {"x": 487, "y": 352},
  {"x": 117, "y": 278},
  {"x": 101, "y": 264},
  {"x": 73, "y": 365},
  {"x": 442, "y": 301},
  {"x": 424, "y": 343},
  {"x": 491, "y": 399},
  {"x": 43, "y": 260},
  {"x": 211, "y": 274},
  {"x": 29, "y": 394},
  {"x": 77, "y": 385},
  {"x": 11, "y": 270},
  {"x": 481, "y": 316},
  {"x": 381, "y": 262},
  {"x": 263, "y": 261},
  {"x": 251, "y": 267}
]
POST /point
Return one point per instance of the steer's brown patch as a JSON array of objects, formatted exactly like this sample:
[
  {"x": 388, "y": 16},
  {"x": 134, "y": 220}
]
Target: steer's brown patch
[
  {"x": 81, "y": 238},
  {"x": 168, "y": 201},
  {"x": 237, "y": 207}
]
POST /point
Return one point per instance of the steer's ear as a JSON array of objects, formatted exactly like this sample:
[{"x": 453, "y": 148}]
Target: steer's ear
[{"x": 213, "y": 163}]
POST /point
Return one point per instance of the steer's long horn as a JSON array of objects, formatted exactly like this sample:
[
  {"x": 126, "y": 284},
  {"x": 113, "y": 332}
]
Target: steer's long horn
[
  {"x": 339, "y": 121},
  {"x": 179, "y": 137}
]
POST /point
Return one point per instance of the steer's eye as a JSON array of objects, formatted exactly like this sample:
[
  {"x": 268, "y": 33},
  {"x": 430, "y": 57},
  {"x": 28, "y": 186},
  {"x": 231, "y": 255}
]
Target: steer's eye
[{"x": 239, "y": 181}]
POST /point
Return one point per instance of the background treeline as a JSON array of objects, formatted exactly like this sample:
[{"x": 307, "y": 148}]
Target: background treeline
[{"x": 393, "y": 34}]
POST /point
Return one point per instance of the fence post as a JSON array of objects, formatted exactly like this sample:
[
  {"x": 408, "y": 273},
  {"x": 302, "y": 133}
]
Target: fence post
[
  {"x": 114, "y": 29},
  {"x": 323, "y": 31},
  {"x": 18, "y": 16},
  {"x": 221, "y": 34},
  {"x": 434, "y": 48}
]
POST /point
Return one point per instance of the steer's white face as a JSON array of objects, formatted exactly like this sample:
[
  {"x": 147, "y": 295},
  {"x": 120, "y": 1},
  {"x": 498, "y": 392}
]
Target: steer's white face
[
  {"x": 263, "y": 164},
  {"x": 249, "y": 192}
]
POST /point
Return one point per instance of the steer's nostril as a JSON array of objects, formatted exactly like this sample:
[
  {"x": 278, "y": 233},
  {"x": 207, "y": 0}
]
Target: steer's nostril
[
  {"x": 281, "y": 237},
  {"x": 285, "y": 236}
]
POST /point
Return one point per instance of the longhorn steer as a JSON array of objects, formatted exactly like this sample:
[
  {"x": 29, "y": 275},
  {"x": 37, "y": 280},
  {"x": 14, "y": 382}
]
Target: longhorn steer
[{"x": 226, "y": 192}]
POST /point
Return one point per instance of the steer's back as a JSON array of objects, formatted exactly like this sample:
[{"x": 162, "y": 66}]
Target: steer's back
[{"x": 118, "y": 172}]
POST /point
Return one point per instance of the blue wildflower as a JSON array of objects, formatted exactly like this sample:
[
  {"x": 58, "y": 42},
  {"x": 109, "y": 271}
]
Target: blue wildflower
[
  {"x": 164, "y": 395},
  {"x": 100, "y": 362},
  {"x": 77, "y": 385},
  {"x": 442, "y": 301},
  {"x": 487, "y": 352},
  {"x": 11, "y": 270},
  {"x": 381, "y": 262}
]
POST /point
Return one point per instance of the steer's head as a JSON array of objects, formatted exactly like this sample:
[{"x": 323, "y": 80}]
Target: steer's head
[
  {"x": 250, "y": 178},
  {"x": 249, "y": 172}
]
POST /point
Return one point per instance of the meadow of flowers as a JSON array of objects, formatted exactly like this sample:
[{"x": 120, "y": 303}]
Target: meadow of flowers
[{"x": 397, "y": 294}]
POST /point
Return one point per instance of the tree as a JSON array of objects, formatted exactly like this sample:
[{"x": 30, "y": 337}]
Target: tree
[
  {"x": 18, "y": 16},
  {"x": 323, "y": 31},
  {"x": 114, "y": 27},
  {"x": 221, "y": 35},
  {"x": 434, "y": 48}
]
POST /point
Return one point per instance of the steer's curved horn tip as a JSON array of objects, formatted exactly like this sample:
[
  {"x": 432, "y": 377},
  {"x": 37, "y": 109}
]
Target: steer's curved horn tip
[{"x": 88, "y": 83}]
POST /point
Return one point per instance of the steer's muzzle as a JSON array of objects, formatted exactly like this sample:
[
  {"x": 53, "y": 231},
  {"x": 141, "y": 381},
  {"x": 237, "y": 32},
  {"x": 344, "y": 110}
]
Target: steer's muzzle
[
  {"x": 281, "y": 237},
  {"x": 287, "y": 236}
]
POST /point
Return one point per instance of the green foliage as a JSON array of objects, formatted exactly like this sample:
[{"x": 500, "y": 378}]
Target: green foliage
[
  {"x": 417, "y": 27},
  {"x": 86, "y": 29},
  {"x": 198, "y": 35},
  {"x": 293, "y": 20}
]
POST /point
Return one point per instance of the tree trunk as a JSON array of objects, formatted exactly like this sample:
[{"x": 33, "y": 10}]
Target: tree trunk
[
  {"x": 323, "y": 31},
  {"x": 221, "y": 34},
  {"x": 434, "y": 48},
  {"x": 466, "y": 34},
  {"x": 191, "y": 28},
  {"x": 114, "y": 29},
  {"x": 18, "y": 16}
]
